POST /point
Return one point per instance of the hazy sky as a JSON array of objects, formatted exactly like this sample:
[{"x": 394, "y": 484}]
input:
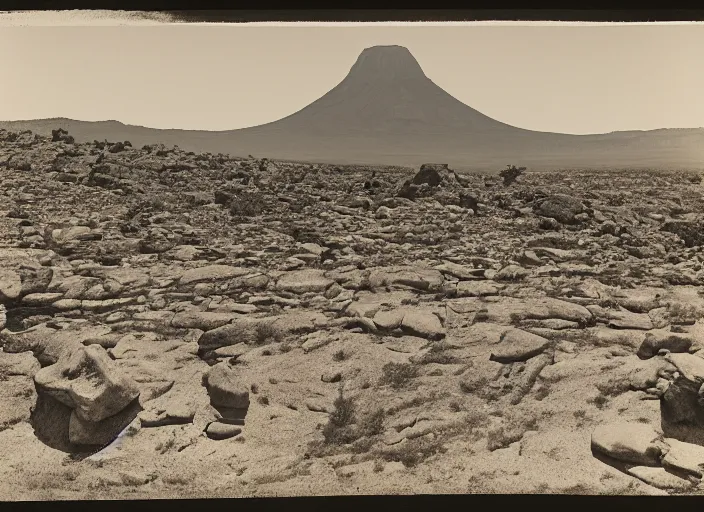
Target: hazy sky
[{"x": 572, "y": 79}]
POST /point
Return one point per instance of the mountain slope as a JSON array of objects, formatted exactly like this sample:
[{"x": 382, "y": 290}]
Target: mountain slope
[{"x": 387, "y": 111}]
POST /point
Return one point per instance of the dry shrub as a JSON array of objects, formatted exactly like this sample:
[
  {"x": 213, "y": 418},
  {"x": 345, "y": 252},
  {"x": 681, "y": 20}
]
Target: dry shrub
[
  {"x": 267, "y": 331},
  {"x": 248, "y": 204},
  {"x": 398, "y": 375}
]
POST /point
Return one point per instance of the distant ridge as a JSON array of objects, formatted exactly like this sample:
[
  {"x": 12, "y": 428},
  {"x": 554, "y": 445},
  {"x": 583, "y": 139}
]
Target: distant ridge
[{"x": 387, "y": 111}]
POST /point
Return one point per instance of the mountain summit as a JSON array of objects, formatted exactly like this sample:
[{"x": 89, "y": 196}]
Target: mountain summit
[
  {"x": 387, "y": 111},
  {"x": 387, "y": 92},
  {"x": 386, "y": 61}
]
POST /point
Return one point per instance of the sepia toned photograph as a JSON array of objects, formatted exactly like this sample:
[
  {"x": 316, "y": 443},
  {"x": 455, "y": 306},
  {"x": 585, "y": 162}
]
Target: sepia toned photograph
[{"x": 287, "y": 259}]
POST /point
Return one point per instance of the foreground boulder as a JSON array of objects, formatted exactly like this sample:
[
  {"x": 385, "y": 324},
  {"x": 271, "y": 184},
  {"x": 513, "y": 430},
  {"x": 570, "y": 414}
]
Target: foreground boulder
[
  {"x": 685, "y": 457},
  {"x": 634, "y": 443},
  {"x": 658, "y": 340},
  {"x": 518, "y": 345},
  {"x": 421, "y": 322},
  {"x": 88, "y": 382},
  {"x": 219, "y": 431},
  {"x": 661, "y": 478},
  {"x": 10, "y": 285},
  {"x": 225, "y": 389},
  {"x": 682, "y": 402},
  {"x": 83, "y": 400}
]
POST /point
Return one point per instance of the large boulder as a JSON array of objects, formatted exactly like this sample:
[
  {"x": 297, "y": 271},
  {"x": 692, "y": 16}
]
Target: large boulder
[
  {"x": 48, "y": 345},
  {"x": 10, "y": 285},
  {"x": 423, "y": 323},
  {"x": 88, "y": 382},
  {"x": 225, "y": 388},
  {"x": 518, "y": 345},
  {"x": 684, "y": 457},
  {"x": 432, "y": 174},
  {"x": 657, "y": 340},
  {"x": 427, "y": 180},
  {"x": 240, "y": 330},
  {"x": 561, "y": 207},
  {"x": 92, "y": 433},
  {"x": 634, "y": 443},
  {"x": 418, "y": 278},
  {"x": 682, "y": 403},
  {"x": 304, "y": 281},
  {"x": 661, "y": 478}
]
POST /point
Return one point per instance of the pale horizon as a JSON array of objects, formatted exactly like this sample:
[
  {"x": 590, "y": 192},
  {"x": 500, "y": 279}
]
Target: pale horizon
[{"x": 563, "y": 78}]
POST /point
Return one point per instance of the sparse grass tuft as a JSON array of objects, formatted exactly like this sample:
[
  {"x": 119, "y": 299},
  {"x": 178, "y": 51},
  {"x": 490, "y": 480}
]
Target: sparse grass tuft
[
  {"x": 681, "y": 313},
  {"x": 476, "y": 419},
  {"x": 599, "y": 401},
  {"x": 267, "y": 331},
  {"x": 340, "y": 355},
  {"x": 455, "y": 406},
  {"x": 398, "y": 375},
  {"x": 339, "y": 429},
  {"x": 373, "y": 423},
  {"x": 415, "y": 451},
  {"x": 178, "y": 480},
  {"x": 613, "y": 387},
  {"x": 511, "y": 431},
  {"x": 474, "y": 386},
  {"x": 438, "y": 354}
]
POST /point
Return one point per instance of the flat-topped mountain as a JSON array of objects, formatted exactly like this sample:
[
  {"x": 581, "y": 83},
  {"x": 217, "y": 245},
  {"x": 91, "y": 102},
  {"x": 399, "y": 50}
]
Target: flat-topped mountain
[{"x": 387, "y": 111}]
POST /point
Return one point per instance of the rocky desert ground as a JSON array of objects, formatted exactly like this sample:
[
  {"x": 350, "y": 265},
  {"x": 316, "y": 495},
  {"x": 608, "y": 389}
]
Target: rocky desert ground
[{"x": 197, "y": 325}]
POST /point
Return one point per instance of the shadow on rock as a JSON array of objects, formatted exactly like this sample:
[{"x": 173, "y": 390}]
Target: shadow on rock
[
  {"x": 232, "y": 415},
  {"x": 57, "y": 426},
  {"x": 50, "y": 420},
  {"x": 681, "y": 414}
]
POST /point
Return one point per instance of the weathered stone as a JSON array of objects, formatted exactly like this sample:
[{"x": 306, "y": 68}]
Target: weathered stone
[
  {"x": 629, "y": 442},
  {"x": 240, "y": 330},
  {"x": 460, "y": 271},
  {"x": 84, "y": 432},
  {"x": 418, "y": 278},
  {"x": 89, "y": 382},
  {"x": 219, "y": 431},
  {"x": 304, "y": 281},
  {"x": 661, "y": 478},
  {"x": 211, "y": 273},
  {"x": 658, "y": 340},
  {"x": 477, "y": 288},
  {"x": 10, "y": 285},
  {"x": 685, "y": 457},
  {"x": 204, "y": 320},
  {"x": 423, "y": 323},
  {"x": 389, "y": 320},
  {"x": 225, "y": 389},
  {"x": 626, "y": 320},
  {"x": 41, "y": 299},
  {"x": 561, "y": 207},
  {"x": 518, "y": 345}
]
